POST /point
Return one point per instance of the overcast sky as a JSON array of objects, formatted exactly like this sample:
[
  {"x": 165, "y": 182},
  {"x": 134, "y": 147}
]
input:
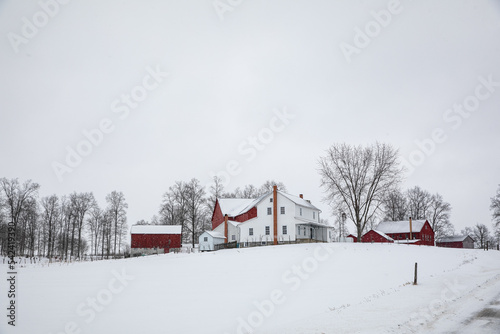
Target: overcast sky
[{"x": 181, "y": 89}]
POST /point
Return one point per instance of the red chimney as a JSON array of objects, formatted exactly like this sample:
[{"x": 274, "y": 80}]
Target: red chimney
[
  {"x": 275, "y": 214},
  {"x": 301, "y": 196},
  {"x": 225, "y": 227},
  {"x": 411, "y": 236}
]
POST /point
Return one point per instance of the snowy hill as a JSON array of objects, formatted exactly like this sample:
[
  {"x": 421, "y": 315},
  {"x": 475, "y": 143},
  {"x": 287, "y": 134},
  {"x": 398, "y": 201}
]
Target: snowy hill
[{"x": 309, "y": 288}]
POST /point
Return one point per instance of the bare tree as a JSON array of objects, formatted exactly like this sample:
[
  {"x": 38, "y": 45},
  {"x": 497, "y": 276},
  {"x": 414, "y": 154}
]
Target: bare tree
[
  {"x": 359, "y": 178},
  {"x": 170, "y": 207},
  {"x": 216, "y": 191},
  {"x": 81, "y": 204},
  {"x": 196, "y": 210},
  {"x": 395, "y": 206},
  {"x": 29, "y": 220},
  {"x": 118, "y": 210},
  {"x": 51, "y": 210},
  {"x": 17, "y": 194},
  {"x": 439, "y": 216},
  {"x": 495, "y": 206},
  {"x": 95, "y": 223},
  {"x": 481, "y": 234},
  {"x": 419, "y": 201}
]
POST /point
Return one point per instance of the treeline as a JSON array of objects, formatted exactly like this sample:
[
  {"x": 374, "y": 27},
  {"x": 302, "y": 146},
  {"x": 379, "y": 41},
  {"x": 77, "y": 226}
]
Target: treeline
[{"x": 62, "y": 227}]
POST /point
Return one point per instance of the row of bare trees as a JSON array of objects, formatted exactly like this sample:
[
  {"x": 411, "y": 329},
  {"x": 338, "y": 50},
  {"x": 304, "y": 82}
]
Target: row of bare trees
[{"x": 63, "y": 227}]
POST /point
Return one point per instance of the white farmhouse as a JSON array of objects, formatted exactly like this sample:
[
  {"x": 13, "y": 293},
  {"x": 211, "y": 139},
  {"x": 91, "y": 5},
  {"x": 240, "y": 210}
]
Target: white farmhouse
[{"x": 273, "y": 218}]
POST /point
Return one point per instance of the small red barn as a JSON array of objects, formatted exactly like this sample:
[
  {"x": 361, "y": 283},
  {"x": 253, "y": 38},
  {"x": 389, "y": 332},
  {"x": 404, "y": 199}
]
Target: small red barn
[
  {"x": 457, "y": 241},
  {"x": 421, "y": 232},
  {"x": 150, "y": 239}
]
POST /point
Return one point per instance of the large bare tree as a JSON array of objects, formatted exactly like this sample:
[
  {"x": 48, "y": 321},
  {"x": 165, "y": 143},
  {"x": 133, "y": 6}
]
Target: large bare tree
[{"x": 359, "y": 178}]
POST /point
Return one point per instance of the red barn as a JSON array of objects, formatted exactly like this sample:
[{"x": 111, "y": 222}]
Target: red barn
[
  {"x": 150, "y": 239},
  {"x": 376, "y": 236},
  {"x": 421, "y": 232},
  {"x": 457, "y": 241}
]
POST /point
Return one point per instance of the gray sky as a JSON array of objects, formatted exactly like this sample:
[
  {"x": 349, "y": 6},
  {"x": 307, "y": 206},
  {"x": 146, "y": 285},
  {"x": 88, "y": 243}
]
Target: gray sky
[{"x": 344, "y": 71}]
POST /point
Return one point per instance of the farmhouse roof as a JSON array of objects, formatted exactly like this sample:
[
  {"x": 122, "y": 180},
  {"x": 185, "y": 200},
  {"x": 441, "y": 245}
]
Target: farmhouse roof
[
  {"x": 156, "y": 229},
  {"x": 401, "y": 226},
  {"x": 236, "y": 206}
]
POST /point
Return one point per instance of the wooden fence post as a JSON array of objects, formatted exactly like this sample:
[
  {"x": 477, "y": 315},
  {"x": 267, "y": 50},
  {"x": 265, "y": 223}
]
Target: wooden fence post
[{"x": 415, "y": 279}]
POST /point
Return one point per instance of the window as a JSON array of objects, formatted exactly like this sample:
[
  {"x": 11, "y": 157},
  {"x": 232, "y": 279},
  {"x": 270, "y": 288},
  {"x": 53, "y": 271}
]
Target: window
[
  {"x": 268, "y": 230},
  {"x": 284, "y": 230},
  {"x": 205, "y": 239},
  {"x": 300, "y": 210},
  {"x": 250, "y": 231},
  {"x": 233, "y": 237},
  {"x": 282, "y": 210},
  {"x": 270, "y": 200},
  {"x": 269, "y": 211},
  {"x": 314, "y": 214}
]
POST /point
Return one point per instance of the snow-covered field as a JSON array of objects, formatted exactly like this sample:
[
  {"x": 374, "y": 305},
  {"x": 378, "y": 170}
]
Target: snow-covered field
[{"x": 309, "y": 288}]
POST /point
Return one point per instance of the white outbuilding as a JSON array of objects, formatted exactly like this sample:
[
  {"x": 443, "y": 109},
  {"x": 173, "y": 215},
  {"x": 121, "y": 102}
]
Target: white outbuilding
[{"x": 209, "y": 239}]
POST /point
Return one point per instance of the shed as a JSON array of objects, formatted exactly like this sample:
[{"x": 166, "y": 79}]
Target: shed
[
  {"x": 153, "y": 239},
  {"x": 209, "y": 239},
  {"x": 456, "y": 241},
  {"x": 353, "y": 237}
]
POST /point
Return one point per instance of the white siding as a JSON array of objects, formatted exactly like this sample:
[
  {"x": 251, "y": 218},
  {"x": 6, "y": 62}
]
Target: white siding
[
  {"x": 307, "y": 214},
  {"x": 210, "y": 243}
]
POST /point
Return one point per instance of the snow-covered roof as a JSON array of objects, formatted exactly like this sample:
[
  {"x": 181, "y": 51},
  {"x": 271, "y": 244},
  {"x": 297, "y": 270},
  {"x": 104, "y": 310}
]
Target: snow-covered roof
[
  {"x": 236, "y": 206},
  {"x": 401, "y": 226},
  {"x": 156, "y": 229},
  {"x": 454, "y": 238},
  {"x": 406, "y": 241},
  {"x": 216, "y": 235},
  {"x": 383, "y": 235},
  {"x": 299, "y": 201}
]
